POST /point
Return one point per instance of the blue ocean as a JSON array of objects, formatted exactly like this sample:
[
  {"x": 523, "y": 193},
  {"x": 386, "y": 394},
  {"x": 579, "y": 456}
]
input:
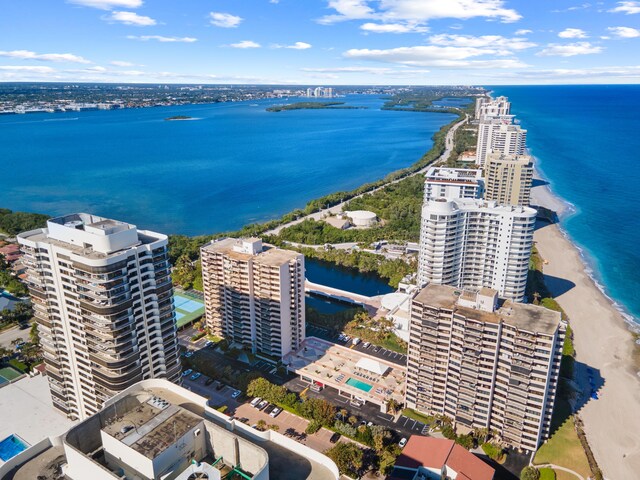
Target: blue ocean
[
  {"x": 233, "y": 164},
  {"x": 586, "y": 140}
]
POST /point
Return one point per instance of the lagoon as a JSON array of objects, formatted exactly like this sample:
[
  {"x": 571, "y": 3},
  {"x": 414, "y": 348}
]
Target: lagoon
[{"x": 233, "y": 164}]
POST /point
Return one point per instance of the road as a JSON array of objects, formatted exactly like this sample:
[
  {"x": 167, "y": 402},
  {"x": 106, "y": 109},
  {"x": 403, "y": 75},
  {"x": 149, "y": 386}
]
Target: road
[{"x": 338, "y": 207}]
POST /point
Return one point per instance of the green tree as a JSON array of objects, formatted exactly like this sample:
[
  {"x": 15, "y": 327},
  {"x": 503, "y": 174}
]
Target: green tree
[
  {"x": 530, "y": 473},
  {"x": 348, "y": 457}
]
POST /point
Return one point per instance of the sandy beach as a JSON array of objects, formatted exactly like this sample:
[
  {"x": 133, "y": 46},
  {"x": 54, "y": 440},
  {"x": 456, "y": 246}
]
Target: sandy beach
[{"x": 603, "y": 343}]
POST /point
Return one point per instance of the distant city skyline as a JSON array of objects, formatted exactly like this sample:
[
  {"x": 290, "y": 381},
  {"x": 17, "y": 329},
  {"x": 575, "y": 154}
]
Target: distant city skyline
[{"x": 320, "y": 42}]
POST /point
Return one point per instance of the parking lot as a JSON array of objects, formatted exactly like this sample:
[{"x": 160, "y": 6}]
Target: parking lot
[
  {"x": 413, "y": 426},
  {"x": 216, "y": 397},
  {"x": 263, "y": 366},
  {"x": 373, "y": 350}
]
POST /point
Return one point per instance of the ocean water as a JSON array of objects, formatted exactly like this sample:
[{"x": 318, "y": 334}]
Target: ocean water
[
  {"x": 234, "y": 164},
  {"x": 586, "y": 140}
]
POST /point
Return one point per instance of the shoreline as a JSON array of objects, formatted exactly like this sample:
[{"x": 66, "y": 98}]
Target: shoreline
[
  {"x": 543, "y": 195},
  {"x": 604, "y": 344}
]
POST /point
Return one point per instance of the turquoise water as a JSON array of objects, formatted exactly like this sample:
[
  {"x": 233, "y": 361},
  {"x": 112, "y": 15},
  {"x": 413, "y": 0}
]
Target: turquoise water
[
  {"x": 11, "y": 446},
  {"x": 365, "y": 387},
  {"x": 586, "y": 142},
  {"x": 235, "y": 164}
]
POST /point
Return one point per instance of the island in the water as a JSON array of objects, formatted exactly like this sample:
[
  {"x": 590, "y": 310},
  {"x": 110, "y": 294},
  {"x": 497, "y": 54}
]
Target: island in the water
[
  {"x": 178, "y": 117},
  {"x": 312, "y": 106}
]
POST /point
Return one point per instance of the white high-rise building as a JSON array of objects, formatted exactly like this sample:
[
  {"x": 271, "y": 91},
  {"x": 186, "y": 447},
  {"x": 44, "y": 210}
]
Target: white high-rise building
[
  {"x": 496, "y": 107},
  {"x": 102, "y": 295},
  {"x": 485, "y": 362},
  {"x": 453, "y": 183},
  {"x": 500, "y": 135},
  {"x": 254, "y": 294},
  {"x": 472, "y": 244}
]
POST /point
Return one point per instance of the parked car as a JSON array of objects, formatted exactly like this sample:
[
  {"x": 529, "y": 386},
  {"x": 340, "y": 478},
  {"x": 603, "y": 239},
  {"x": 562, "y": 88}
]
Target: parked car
[
  {"x": 188, "y": 354},
  {"x": 269, "y": 408},
  {"x": 262, "y": 405},
  {"x": 402, "y": 442},
  {"x": 187, "y": 372},
  {"x": 347, "y": 338},
  {"x": 335, "y": 437},
  {"x": 195, "y": 376},
  {"x": 275, "y": 412},
  {"x": 209, "y": 381},
  {"x": 208, "y": 343},
  {"x": 356, "y": 341},
  {"x": 255, "y": 401},
  {"x": 370, "y": 424},
  {"x": 366, "y": 344},
  {"x": 219, "y": 386},
  {"x": 236, "y": 394}
]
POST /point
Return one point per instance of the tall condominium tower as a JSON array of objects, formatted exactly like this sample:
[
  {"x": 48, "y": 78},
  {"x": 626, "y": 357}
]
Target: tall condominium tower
[
  {"x": 473, "y": 244},
  {"x": 485, "y": 362},
  {"x": 508, "y": 178},
  {"x": 496, "y": 107},
  {"x": 101, "y": 290},
  {"x": 500, "y": 135},
  {"x": 453, "y": 183},
  {"x": 254, "y": 294}
]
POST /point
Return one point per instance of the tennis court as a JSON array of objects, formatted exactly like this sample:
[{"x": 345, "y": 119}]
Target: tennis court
[
  {"x": 188, "y": 308},
  {"x": 7, "y": 374}
]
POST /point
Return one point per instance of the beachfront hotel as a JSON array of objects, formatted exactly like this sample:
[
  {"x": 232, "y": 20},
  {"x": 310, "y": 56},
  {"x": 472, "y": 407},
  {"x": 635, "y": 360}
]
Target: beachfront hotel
[
  {"x": 484, "y": 362},
  {"x": 101, "y": 290},
  {"x": 254, "y": 295},
  {"x": 487, "y": 108},
  {"x": 508, "y": 178},
  {"x": 155, "y": 430},
  {"x": 499, "y": 135},
  {"x": 453, "y": 183},
  {"x": 471, "y": 244}
]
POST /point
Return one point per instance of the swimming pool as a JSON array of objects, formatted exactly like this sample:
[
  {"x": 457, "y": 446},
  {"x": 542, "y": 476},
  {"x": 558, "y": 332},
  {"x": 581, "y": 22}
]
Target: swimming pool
[
  {"x": 365, "y": 387},
  {"x": 11, "y": 446}
]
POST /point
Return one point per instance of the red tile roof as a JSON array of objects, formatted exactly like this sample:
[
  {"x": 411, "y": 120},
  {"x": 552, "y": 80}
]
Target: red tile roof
[{"x": 435, "y": 453}]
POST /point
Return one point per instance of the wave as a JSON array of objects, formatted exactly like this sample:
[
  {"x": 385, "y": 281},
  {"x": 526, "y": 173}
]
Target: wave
[{"x": 60, "y": 119}]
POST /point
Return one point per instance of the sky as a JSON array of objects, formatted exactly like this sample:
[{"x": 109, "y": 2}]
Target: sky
[{"x": 321, "y": 42}]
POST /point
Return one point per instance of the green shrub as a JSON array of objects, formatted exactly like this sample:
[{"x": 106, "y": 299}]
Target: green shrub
[
  {"x": 493, "y": 451},
  {"x": 530, "y": 473}
]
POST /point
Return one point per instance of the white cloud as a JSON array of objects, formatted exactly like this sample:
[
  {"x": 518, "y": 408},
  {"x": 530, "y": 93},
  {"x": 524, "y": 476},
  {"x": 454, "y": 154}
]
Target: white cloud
[
  {"x": 523, "y": 31},
  {"x": 624, "y": 32},
  {"x": 498, "y": 44},
  {"x": 163, "y": 39},
  {"x": 569, "y": 49},
  {"x": 45, "y": 57},
  {"x": 25, "y": 68},
  {"x": 573, "y": 33},
  {"x": 245, "y": 44},
  {"x": 295, "y": 46},
  {"x": 131, "y": 18},
  {"x": 628, "y": 8},
  {"x": 632, "y": 71},
  {"x": 584, "y": 6},
  {"x": 120, "y": 63},
  {"x": 224, "y": 20},
  {"x": 434, "y": 56},
  {"x": 417, "y": 11},
  {"x": 369, "y": 70},
  {"x": 108, "y": 4},
  {"x": 392, "y": 28}
]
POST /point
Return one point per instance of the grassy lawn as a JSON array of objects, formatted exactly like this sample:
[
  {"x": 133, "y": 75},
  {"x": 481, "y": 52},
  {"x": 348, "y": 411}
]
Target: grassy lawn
[
  {"x": 407, "y": 412},
  {"x": 547, "y": 474},
  {"x": 564, "y": 449}
]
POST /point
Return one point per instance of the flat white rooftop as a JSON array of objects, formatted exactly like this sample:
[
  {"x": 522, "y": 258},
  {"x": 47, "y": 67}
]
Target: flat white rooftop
[{"x": 27, "y": 411}]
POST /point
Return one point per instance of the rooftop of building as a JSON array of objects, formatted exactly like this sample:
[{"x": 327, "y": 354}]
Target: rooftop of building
[
  {"x": 507, "y": 158},
  {"x": 152, "y": 427},
  {"x": 524, "y": 316},
  {"x": 267, "y": 255},
  {"x": 459, "y": 174},
  {"x": 446, "y": 205},
  {"x": 92, "y": 223},
  {"x": 435, "y": 453}
]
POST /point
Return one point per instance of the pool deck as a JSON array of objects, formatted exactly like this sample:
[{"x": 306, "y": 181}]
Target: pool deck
[
  {"x": 332, "y": 365},
  {"x": 28, "y": 412}
]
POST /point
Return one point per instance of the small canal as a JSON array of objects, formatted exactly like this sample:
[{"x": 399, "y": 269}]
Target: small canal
[{"x": 331, "y": 275}]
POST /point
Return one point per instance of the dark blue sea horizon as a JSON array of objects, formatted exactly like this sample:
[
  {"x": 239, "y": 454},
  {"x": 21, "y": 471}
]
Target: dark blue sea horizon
[
  {"x": 586, "y": 142},
  {"x": 234, "y": 164}
]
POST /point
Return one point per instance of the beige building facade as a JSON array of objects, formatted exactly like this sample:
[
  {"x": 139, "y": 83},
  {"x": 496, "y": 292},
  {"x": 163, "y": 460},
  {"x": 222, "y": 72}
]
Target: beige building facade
[
  {"x": 508, "y": 178},
  {"x": 254, "y": 295},
  {"x": 485, "y": 362}
]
